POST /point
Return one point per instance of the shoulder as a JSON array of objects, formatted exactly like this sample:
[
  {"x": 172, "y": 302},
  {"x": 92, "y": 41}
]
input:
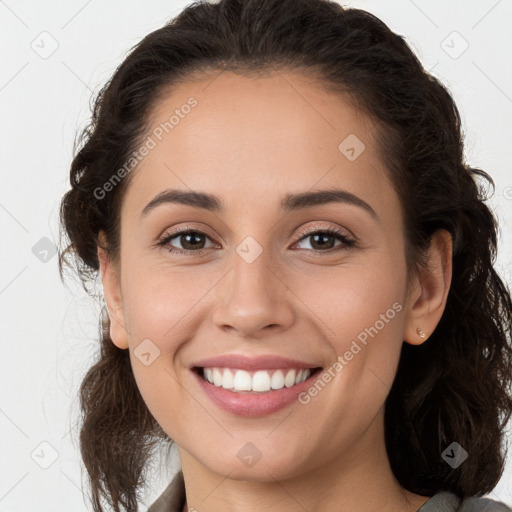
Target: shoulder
[
  {"x": 445, "y": 501},
  {"x": 483, "y": 505},
  {"x": 173, "y": 497}
]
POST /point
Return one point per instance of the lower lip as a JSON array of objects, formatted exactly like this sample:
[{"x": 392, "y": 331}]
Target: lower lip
[{"x": 253, "y": 403}]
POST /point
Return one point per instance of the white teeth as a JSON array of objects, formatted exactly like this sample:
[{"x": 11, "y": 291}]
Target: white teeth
[
  {"x": 261, "y": 381},
  {"x": 289, "y": 380},
  {"x": 208, "y": 374},
  {"x": 242, "y": 381},
  {"x": 227, "y": 379},
  {"x": 217, "y": 377},
  {"x": 277, "y": 381}
]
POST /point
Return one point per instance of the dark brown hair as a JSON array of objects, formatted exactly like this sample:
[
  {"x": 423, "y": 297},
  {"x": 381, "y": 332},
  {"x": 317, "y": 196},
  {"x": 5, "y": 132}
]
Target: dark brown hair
[{"x": 453, "y": 387}]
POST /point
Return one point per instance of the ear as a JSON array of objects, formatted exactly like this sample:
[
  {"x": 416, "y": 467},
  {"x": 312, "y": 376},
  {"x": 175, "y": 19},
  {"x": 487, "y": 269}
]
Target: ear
[
  {"x": 429, "y": 290},
  {"x": 113, "y": 297}
]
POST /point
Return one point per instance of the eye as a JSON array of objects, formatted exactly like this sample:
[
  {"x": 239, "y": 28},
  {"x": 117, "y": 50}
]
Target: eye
[
  {"x": 323, "y": 239},
  {"x": 193, "y": 240},
  {"x": 189, "y": 239}
]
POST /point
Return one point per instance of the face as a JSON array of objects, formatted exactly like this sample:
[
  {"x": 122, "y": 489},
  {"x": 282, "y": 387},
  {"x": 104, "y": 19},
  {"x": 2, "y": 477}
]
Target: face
[{"x": 259, "y": 278}]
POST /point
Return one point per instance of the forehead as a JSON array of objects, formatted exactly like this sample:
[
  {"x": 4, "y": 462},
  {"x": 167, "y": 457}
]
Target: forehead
[{"x": 247, "y": 138}]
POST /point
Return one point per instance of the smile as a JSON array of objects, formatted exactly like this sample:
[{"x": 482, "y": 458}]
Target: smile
[{"x": 253, "y": 393}]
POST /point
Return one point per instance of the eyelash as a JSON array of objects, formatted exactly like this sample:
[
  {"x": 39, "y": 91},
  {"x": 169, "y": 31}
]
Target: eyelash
[{"x": 347, "y": 242}]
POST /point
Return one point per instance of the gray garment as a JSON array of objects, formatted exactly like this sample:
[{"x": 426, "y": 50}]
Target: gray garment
[
  {"x": 173, "y": 499},
  {"x": 448, "y": 502}
]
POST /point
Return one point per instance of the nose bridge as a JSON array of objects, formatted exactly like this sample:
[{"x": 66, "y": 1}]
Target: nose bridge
[
  {"x": 253, "y": 297},
  {"x": 252, "y": 270}
]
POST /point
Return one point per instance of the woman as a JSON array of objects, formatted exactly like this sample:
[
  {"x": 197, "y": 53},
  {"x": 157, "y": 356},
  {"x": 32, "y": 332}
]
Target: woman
[{"x": 298, "y": 272}]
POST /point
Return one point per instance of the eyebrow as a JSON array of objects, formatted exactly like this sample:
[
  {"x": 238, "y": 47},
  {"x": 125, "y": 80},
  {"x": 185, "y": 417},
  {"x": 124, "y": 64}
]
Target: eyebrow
[{"x": 290, "y": 202}]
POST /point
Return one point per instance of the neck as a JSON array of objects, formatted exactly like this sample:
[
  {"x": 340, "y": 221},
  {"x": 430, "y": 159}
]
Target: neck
[{"x": 359, "y": 478}]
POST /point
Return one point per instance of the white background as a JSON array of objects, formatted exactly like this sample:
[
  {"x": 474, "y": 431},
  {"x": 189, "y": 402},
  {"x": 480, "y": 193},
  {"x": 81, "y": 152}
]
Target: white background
[{"x": 49, "y": 330}]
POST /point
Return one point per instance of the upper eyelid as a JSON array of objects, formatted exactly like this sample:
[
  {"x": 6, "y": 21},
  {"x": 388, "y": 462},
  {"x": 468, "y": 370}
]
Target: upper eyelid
[
  {"x": 183, "y": 230},
  {"x": 319, "y": 229}
]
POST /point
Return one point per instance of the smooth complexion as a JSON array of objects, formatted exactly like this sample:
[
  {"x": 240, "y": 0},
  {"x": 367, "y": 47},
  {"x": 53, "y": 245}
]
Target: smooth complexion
[{"x": 251, "y": 142}]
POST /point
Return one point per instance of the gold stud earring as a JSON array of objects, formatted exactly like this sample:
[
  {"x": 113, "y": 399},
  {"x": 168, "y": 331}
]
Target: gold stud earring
[{"x": 421, "y": 334}]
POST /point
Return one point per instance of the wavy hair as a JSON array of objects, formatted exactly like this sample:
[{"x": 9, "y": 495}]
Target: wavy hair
[{"x": 453, "y": 387}]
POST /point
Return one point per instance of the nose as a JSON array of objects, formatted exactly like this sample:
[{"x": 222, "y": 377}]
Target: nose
[{"x": 253, "y": 298}]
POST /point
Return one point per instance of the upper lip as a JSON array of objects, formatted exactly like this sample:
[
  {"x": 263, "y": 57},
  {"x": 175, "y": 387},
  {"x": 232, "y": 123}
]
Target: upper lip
[{"x": 263, "y": 362}]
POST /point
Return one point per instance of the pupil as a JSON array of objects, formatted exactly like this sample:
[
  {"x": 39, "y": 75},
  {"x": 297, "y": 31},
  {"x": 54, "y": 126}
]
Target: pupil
[
  {"x": 189, "y": 236},
  {"x": 324, "y": 237}
]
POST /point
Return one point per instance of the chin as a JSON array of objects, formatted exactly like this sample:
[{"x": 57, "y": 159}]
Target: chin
[{"x": 268, "y": 468}]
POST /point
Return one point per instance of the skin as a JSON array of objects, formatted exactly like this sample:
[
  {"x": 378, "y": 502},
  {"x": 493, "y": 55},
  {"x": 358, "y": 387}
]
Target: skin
[{"x": 248, "y": 139}]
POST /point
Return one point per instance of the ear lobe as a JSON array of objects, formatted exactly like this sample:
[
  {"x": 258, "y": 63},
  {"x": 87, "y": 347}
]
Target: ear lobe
[
  {"x": 112, "y": 292},
  {"x": 427, "y": 300}
]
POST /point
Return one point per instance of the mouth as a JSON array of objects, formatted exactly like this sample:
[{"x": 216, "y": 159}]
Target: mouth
[{"x": 243, "y": 381}]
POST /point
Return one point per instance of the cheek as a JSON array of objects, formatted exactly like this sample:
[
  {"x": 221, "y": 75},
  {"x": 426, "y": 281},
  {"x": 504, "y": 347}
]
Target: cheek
[
  {"x": 359, "y": 308},
  {"x": 351, "y": 297},
  {"x": 160, "y": 302},
  {"x": 160, "y": 314}
]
